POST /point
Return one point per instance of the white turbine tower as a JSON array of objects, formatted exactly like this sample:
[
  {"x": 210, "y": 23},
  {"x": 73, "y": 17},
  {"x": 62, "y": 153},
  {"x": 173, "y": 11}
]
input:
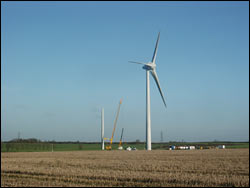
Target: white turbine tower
[
  {"x": 102, "y": 129},
  {"x": 150, "y": 67}
]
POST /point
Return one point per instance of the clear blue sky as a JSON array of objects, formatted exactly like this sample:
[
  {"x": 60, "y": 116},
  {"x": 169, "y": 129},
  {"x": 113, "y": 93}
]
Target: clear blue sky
[{"x": 61, "y": 62}]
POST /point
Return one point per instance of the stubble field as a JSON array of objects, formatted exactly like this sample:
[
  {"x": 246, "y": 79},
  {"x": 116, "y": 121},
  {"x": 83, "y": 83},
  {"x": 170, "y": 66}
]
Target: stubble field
[{"x": 201, "y": 168}]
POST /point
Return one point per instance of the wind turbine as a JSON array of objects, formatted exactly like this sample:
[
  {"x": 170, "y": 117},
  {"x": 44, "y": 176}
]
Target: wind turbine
[{"x": 150, "y": 67}]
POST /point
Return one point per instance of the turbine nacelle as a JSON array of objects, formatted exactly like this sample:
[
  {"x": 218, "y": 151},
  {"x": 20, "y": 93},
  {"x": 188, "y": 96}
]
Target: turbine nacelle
[{"x": 149, "y": 66}]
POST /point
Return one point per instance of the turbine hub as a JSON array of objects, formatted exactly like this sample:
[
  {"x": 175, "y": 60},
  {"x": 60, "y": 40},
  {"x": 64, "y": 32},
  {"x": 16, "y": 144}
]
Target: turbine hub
[{"x": 149, "y": 66}]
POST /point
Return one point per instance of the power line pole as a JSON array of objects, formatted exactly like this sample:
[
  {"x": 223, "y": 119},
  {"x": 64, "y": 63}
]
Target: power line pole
[
  {"x": 161, "y": 136},
  {"x": 18, "y": 135}
]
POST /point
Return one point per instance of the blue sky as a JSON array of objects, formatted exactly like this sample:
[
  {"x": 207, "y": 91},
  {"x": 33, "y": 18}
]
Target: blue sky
[{"x": 61, "y": 62}]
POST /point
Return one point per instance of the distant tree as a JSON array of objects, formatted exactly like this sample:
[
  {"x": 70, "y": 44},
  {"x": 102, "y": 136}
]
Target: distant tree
[{"x": 29, "y": 140}]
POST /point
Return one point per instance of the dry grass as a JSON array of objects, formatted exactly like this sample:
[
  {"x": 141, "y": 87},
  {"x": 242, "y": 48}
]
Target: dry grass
[{"x": 201, "y": 168}]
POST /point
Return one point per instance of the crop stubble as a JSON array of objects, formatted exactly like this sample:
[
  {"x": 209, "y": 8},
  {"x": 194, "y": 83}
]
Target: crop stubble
[{"x": 209, "y": 168}]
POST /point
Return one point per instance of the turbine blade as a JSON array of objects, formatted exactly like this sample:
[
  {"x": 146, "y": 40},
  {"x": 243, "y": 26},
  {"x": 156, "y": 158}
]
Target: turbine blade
[
  {"x": 153, "y": 73},
  {"x": 137, "y": 62},
  {"x": 156, "y": 47}
]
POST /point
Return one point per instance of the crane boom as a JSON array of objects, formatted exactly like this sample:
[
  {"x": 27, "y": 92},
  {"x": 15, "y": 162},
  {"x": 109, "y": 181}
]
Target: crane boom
[{"x": 113, "y": 132}]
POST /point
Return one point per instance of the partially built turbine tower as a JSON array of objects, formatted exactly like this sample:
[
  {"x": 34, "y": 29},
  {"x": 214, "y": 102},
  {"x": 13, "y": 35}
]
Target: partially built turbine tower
[{"x": 102, "y": 129}]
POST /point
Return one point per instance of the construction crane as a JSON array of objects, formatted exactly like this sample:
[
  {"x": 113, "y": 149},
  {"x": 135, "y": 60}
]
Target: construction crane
[
  {"x": 109, "y": 147},
  {"x": 120, "y": 144}
]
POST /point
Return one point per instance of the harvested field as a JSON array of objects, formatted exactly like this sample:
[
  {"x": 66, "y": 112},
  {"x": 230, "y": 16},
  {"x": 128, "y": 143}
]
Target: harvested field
[{"x": 199, "y": 168}]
